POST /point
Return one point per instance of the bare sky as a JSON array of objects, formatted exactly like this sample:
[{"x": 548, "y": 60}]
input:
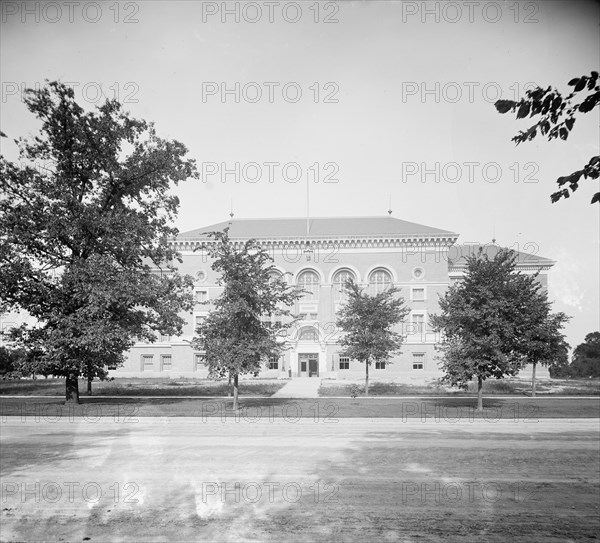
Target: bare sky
[{"x": 388, "y": 90}]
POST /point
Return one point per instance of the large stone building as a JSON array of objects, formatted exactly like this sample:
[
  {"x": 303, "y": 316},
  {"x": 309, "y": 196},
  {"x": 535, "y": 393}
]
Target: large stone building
[{"x": 319, "y": 255}]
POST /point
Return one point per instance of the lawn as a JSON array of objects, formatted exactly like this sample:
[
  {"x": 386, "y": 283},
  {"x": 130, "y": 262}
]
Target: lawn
[
  {"x": 327, "y": 410},
  {"x": 508, "y": 387},
  {"x": 140, "y": 387}
]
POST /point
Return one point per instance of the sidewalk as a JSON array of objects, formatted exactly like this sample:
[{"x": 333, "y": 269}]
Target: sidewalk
[{"x": 307, "y": 387}]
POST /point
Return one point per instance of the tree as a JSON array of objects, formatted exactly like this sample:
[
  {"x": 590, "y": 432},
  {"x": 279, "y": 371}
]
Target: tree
[
  {"x": 484, "y": 319},
  {"x": 84, "y": 238},
  {"x": 557, "y": 118},
  {"x": 586, "y": 357},
  {"x": 542, "y": 341},
  {"x": 10, "y": 363},
  {"x": 368, "y": 322},
  {"x": 236, "y": 337}
]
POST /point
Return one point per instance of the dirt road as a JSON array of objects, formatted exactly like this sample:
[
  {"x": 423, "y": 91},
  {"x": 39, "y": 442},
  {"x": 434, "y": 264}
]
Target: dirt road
[{"x": 189, "y": 479}]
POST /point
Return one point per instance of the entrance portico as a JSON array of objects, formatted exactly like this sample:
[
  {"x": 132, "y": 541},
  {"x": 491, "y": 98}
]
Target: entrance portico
[{"x": 308, "y": 365}]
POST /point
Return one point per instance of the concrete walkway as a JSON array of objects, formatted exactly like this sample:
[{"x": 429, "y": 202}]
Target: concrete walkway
[{"x": 301, "y": 387}]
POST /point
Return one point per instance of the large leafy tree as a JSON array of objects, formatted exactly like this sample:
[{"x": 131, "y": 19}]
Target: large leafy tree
[
  {"x": 586, "y": 357},
  {"x": 485, "y": 319},
  {"x": 368, "y": 323},
  {"x": 555, "y": 116},
  {"x": 84, "y": 238},
  {"x": 543, "y": 341},
  {"x": 236, "y": 337}
]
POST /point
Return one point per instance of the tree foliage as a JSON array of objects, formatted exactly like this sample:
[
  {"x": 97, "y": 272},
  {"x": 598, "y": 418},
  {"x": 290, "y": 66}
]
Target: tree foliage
[
  {"x": 543, "y": 341},
  {"x": 368, "y": 323},
  {"x": 557, "y": 116},
  {"x": 492, "y": 322},
  {"x": 585, "y": 362},
  {"x": 84, "y": 237},
  {"x": 235, "y": 336}
]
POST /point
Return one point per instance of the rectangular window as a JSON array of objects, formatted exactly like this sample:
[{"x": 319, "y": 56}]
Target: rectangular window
[
  {"x": 418, "y": 320},
  {"x": 198, "y": 320},
  {"x": 199, "y": 361},
  {"x": 274, "y": 363},
  {"x": 147, "y": 362},
  {"x": 418, "y": 361},
  {"x": 344, "y": 363},
  {"x": 379, "y": 365},
  {"x": 201, "y": 296},
  {"x": 165, "y": 360},
  {"x": 418, "y": 294}
]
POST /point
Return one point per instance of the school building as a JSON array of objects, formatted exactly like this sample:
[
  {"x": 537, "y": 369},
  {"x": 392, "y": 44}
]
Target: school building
[{"x": 319, "y": 255}]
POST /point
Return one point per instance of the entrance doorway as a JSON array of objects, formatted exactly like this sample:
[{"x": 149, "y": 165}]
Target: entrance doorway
[{"x": 308, "y": 364}]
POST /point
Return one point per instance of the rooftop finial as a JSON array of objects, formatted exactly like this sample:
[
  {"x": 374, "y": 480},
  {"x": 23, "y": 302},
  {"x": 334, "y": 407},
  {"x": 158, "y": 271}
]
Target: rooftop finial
[{"x": 390, "y": 208}]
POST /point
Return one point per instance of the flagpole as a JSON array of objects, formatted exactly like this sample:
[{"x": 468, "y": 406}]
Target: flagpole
[{"x": 307, "y": 207}]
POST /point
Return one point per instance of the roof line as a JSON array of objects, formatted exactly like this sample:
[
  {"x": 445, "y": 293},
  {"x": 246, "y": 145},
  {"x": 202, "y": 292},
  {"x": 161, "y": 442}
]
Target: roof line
[{"x": 314, "y": 217}]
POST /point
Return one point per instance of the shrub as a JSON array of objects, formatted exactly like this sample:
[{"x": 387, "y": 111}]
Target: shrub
[{"x": 356, "y": 390}]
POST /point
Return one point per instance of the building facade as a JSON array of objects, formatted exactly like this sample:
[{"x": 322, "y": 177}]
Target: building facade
[{"x": 319, "y": 255}]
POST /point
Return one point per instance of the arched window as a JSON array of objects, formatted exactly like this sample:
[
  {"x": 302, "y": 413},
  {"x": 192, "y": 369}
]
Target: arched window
[
  {"x": 380, "y": 280},
  {"x": 308, "y": 333},
  {"x": 274, "y": 275},
  {"x": 309, "y": 281},
  {"x": 339, "y": 280}
]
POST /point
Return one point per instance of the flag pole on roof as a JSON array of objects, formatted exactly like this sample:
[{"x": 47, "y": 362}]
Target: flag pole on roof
[{"x": 307, "y": 207}]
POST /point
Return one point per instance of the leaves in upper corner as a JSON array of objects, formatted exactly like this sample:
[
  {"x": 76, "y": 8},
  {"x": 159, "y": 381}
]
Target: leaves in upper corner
[
  {"x": 579, "y": 82},
  {"x": 523, "y": 111},
  {"x": 504, "y": 106},
  {"x": 590, "y": 102},
  {"x": 557, "y": 121},
  {"x": 595, "y": 198}
]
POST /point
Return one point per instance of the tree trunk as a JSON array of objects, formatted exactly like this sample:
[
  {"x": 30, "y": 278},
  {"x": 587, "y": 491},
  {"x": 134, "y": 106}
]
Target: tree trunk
[
  {"x": 229, "y": 392},
  {"x": 235, "y": 392},
  {"x": 72, "y": 388},
  {"x": 90, "y": 378},
  {"x": 533, "y": 380},
  {"x": 366, "y": 377},
  {"x": 479, "y": 394}
]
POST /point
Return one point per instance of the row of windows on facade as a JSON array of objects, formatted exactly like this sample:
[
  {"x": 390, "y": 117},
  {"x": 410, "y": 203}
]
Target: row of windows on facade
[
  {"x": 379, "y": 275},
  {"x": 417, "y": 325},
  {"x": 309, "y": 281},
  {"x": 310, "y": 333},
  {"x": 417, "y": 294},
  {"x": 418, "y": 362}
]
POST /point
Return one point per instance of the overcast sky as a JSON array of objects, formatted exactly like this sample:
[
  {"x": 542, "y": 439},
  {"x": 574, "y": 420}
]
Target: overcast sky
[{"x": 373, "y": 100}]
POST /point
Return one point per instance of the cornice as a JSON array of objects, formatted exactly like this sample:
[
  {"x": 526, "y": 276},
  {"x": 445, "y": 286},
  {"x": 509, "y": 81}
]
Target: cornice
[
  {"x": 459, "y": 270},
  {"x": 326, "y": 242}
]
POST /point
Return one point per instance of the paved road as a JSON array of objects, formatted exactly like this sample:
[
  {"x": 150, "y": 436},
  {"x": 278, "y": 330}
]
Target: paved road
[{"x": 185, "y": 479}]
